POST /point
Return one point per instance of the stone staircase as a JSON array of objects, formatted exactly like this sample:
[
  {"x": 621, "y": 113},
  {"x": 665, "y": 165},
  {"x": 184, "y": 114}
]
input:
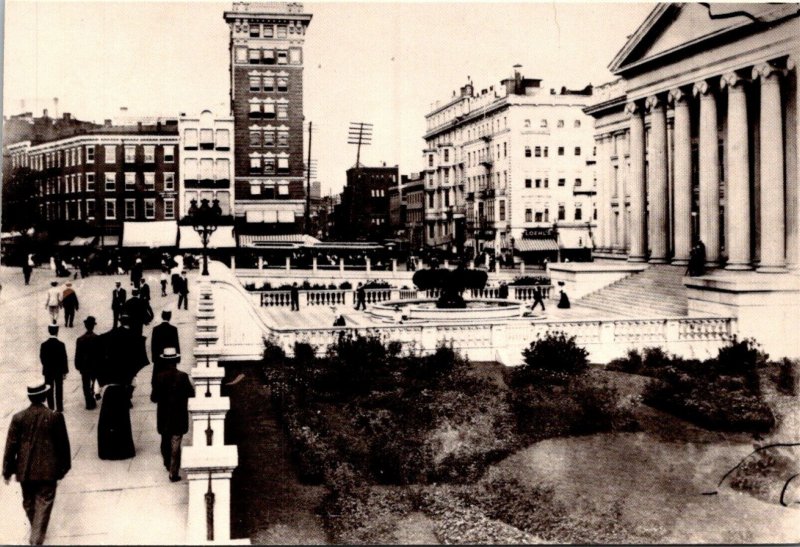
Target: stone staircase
[{"x": 657, "y": 291}]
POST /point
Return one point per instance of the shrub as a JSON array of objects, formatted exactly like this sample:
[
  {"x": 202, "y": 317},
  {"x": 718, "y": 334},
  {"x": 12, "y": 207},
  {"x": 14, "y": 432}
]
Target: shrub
[
  {"x": 740, "y": 358},
  {"x": 787, "y": 376},
  {"x": 556, "y": 355},
  {"x": 531, "y": 280},
  {"x": 345, "y": 285},
  {"x": 631, "y": 363}
]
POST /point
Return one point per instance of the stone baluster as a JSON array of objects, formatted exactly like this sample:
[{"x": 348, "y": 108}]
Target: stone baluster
[
  {"x": 636, "y": 183},
  {"x": 682, "y": 177},
  {"x": 772, "y": 196},
  {"x": 657, "y": 181},
  {"x": 709, "y": 172},
  {"x": 737, "y": 217}
]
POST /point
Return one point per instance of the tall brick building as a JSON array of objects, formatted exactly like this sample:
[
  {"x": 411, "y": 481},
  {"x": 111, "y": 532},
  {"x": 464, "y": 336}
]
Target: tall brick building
[{"x": 266, "y": 69}]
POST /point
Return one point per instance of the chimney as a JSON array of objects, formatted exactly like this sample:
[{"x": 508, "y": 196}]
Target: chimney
[
  {"x": 67, "y": 116},
  {"x": 44, "y": 113},
  {"x": 139, "y": 126},
  {"x": 107, "y": 123},
  {"x": 517, "y": 79}
]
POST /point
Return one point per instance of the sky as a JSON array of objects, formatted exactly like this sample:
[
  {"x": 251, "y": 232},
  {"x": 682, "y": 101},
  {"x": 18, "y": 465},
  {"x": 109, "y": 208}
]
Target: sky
[{"x": 382, "y": 63}]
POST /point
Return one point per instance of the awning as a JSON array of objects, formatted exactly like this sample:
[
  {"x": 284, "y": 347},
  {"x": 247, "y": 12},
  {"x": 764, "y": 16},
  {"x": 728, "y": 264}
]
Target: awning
[
  {"x": 82, "y": 241},
  {"x": 153, "y": 234},
  {"x": 574, "y": 238},
  {"x": 536, "y": 245},
  {"x": 109, "y": 241},
  {"x": 222, "y": 238},
  {"x": 276, "y": 241},
  {"x": 347, "y": 246},
  {"x": 64, "y": 243}
]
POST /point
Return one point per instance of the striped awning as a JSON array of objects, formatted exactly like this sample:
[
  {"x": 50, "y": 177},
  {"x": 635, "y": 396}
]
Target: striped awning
[
  {"x": 536, "y": 245},
  {"x": 276, "y": 241}
]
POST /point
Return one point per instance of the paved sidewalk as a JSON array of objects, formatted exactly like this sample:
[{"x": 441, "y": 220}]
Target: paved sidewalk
[{"x": 98, "y": 502}]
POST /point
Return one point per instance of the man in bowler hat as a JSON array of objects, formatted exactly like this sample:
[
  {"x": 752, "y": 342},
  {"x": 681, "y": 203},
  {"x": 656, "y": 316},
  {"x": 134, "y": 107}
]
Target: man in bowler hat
[
  {"x": 53, "y": 356},
  {"x": 38, "y": 453},
  {"x": 172, "y": 392},
  {"x": 87, "y": 355},
  {"x": 164, "y": 336}
]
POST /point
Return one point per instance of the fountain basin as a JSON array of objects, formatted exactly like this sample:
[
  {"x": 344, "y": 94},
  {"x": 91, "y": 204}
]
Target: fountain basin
[{"x": 425, "y": 309}]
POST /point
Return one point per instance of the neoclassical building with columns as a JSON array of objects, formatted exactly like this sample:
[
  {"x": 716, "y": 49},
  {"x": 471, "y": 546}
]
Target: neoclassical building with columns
[{"x": 698, "y": 141}]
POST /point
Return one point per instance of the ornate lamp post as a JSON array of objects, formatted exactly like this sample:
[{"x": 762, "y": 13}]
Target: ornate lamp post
[{"x": 205, "y": 220}]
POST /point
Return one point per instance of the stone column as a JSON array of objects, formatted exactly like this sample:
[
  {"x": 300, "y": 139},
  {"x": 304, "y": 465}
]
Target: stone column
[
  {"x": 288, "y": 263},
  {"x": 793, "y": 178},
  {"x": 709, "y": 172},
  {"x": 737, "y": 217},
  {"x": 772, "y": 195},
  {"x": 638, "y": 236},
  {"x": 602, "y": 172},
  {"x": 682, "y": 169},
  {"x": 607, "y": 214},
  {"x": 657, "y": 181}
]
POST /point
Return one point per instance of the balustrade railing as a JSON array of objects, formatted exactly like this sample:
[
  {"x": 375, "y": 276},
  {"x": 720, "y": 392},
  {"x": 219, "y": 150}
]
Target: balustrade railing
[
  {"x": 525, "y": 292},
  {"x": 328, "y": 297},
  {"x": 374, "y": 296},
  {"x": 270, "y": 299}
]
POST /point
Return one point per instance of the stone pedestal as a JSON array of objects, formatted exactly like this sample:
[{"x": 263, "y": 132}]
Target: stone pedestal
[
  {"x": 208, "y": 418},
  {"x": 207, "y": 382},
  {"x": 208, "y": 470}
]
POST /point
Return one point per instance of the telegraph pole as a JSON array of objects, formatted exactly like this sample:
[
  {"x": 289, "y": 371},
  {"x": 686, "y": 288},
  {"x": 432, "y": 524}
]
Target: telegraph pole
[{"x": 359, "y": 133}]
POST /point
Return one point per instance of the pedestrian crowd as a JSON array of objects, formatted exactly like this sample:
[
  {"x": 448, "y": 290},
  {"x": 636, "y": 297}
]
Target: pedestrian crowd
[{"x": 37, "y": 447}]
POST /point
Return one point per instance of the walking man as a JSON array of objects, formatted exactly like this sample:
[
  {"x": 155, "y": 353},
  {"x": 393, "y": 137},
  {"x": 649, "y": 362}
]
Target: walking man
[
  {"x": 183, "y": 291},
  {"x": 144, "y": 290},
  {"x": 294, "y": 297},
  {"x": 361, "y": 297},
  {"x": 118, "y": 299},
  {"x": 70, "y": 303},
  {"x": 54, "y": 297},
  {"x": 537, "y": 298},
  {"x": 53, "y": 356},
  {"x": 27, "y": 269},
  {"x": 172, "y": 392},
  {"x": 38, "y": 453},
  {"x": 139, "y": 312},
  {"x": 86, "y": 361},
  {"x": 163, "y": 280},
  {"x": 136, "y": 273},
  {"x": 164, "y": 336}
]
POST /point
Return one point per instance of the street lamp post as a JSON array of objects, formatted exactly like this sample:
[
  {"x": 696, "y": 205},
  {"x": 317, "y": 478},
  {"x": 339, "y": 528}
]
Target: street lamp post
[{"x": 205, "y": 220}]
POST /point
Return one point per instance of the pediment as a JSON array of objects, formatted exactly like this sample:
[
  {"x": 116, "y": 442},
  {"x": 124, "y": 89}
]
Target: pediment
[{"x": 672, "y": 27}]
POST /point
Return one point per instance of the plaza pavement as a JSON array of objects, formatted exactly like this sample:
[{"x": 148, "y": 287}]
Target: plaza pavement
[{"x": 98, "y": 502}]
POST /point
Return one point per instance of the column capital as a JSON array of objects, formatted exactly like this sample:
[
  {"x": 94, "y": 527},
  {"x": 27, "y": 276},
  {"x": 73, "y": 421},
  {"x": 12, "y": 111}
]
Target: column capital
[
  {"x": 703, "y": 89},
  {"x": 766, "y": 71},
  {"x": 732, "y": 79},
  {"x": 654, "y": 101},
  {"x": 677, "y": 96},
  {"x": 633, "y": 108}
]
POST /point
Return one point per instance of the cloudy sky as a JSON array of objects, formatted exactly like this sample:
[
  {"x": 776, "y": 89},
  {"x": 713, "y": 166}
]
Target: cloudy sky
[{"x": 383, "y": 63}]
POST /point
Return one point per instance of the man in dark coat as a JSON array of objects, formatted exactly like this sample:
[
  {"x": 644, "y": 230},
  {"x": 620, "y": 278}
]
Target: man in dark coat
[
  {"x": 294, "y": 297},
  {"x": 164, "y": 336},
  {"x": 86, "y": 360},
  {"x": 138, "y": 311},
  {"x": 537, "y": 298},
  {"x": 38, "y": 453},
  {"x": 118, "y": 299},
  {"x": 172, "y": 392},
  {"x": 27, "y": 269},
  {"x": 136, "y": 273},
  {"x": 361, "y": 297},
  {"x": 70, "y": 304},
  {"x": 144, "y": 290},
  {"x": 183, "y": 291},
  {"x": 53, "y": 356}
]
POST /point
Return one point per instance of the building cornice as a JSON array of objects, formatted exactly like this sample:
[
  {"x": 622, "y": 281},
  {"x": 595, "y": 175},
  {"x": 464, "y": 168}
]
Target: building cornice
[{"x": 104, "y": 140}]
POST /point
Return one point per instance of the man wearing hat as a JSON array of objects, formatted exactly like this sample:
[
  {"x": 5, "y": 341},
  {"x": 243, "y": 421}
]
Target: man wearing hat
[
  {"x": 139, "y": 312},
  {"x": 183, "y": 291},
  {"x": 38, "y": 453},
  {"x": 118, "y": 299},
  {"x": 86, "y": 357},
  {"x": 171, "y": 392},
  {"x": 53, "y": 356},
  {"x": 164, "y": 336},
  {"x": 70, "y": 303},
  {"x": 54, "y": 297}
]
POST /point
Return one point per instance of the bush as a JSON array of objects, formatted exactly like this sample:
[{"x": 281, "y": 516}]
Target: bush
[
  {"x": 555, "y": 355},
  {"x": 787, "y": 376},
  {"x": 531, "y": 280},
  {"x": 632, "y": 363},
  {"x": 345, "y": 285}
]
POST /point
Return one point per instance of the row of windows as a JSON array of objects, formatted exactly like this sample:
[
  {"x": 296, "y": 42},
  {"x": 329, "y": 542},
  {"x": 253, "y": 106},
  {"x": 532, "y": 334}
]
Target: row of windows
[
  {"x": 268, "y": 165},
  {"x": 74, "y": 209},
  {"x": 559, "y": 123},
  {"x": 73, "y": 156},
  {"x": 206, "y": 169},
  {"x": 207, "y": 139},
  {"x": 544, "y": 216},
  {"x": 269, "y": 83},
  {"x": 545, "y": 183},
  {"x": 270, "y": 30},
  {"x": 378, "y": 193},
  {"x": 71, "y": 184},
  {"x": 269, "y": 191},
  {"x": 540, "y": 151},
  {"x": 259, "y": 56},
  {"x": 267, "y": 138},
  {"x": 268, "y": 110}
]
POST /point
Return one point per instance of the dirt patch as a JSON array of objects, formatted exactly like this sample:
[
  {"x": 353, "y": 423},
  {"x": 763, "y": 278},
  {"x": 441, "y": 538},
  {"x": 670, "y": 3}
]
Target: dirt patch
[{"x": 415, "y": 529}]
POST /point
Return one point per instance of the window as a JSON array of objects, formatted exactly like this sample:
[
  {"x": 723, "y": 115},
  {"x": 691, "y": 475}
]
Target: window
[
  {"x": 546, "y": 183},
  {"x": 543, "y": 123},
  {"x": 430, "y": 200},
  {"x": 241, "y": 54},
  {"x": 538, "y": 183},
  {"x": 90, "y": 205},
  {"x": 269, "y": 83},
  {"x": 526, "y": 123},
  {"x": 222, "y": 170},
  {"x": 562, "y": 182},
  {"x": 111, "y": 181},
  {"x": 281, "y": 31},
  {"x": 78, "y": 178},
  {"x": 537, "y": 151},
  {"x": 295, "y": 55},
  {"x": 283, "y": 57},
  {"x": 254, "y": 31},
  {"x": 560, "y": 123},
  {"x": 150, "y": 208},
  {"x": 505, "y": 149},
  {"x": 149, "y": 181},
  {"x": 578, "y": 212},
  {"x": 269, "y": 166},
  {"x": 577, "y": 150},
  {"x": 169, "y": 182},
  {"x": 562, "y": 213},
  {"x": 149, "y": 154},
  {"x": 130, "y": 181},
  {"x": 528, "y": 183},
  {"x": 254, "y": 56},
  {"x": 190, "y": 138},
  {"x": 283, "y": 111},
  {"x": 255, "y": 189},
  {"x": 90, "y": 182},
  {"x": 538, "y": 216},
  {"x": 130, "y": 209},
  {"x": 268, "y": 57},
  {"x": 255, "y": 83},
  {"x": 169, "y": 153},
  {"x": 268, "y": 31},
  {"x": 255, "y": 112},
  {"x": 283, "y": 84},
  {"x": 578, "y": 182},
  {"x": 169, "y": 208},
  {"x": 190, "y": 169},
  {"x": 431, "y": 228},
  {"x": 269, "y": 110},
  {"x": 430, "y": 160},
  {"x": 223, "y": 139},
  {"x": 502, "y": 210},
  {"x": 255, "y": 139},
  {"x": 111, "y": 154},
  {"x": 207, "y": 169},
  {"x": 130, "y": 154},
  {"x": 577, "y": 124},
  {"x": 560, "y": 150},
  {"x": 528, "y": 215},
  {"x": 283, "y": 165},
  {"x": 269, "y": 137},
  {"x": 255, "y": 165},
  {"x": 446, "y": 156},
  {"x": 283, "y": 138},
  {"x": 206, "y": 139},
  {"x": 546, "y": 151},
  {"x": 527, "y": 151}
]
